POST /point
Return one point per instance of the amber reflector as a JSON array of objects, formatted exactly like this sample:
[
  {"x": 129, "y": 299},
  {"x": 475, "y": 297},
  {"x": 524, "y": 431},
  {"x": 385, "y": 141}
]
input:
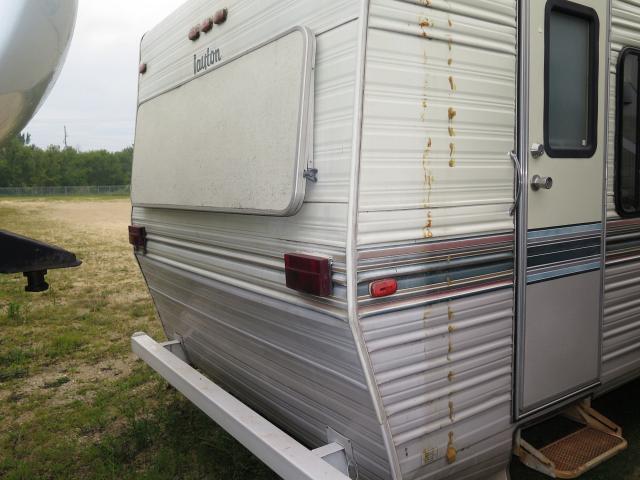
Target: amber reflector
[
  {"x": 308, "y": 273},
  {"x": 383, "y": 288}
]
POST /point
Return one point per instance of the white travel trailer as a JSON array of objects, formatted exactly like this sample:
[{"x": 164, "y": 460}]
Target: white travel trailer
[{"x": 400, "y": 231}]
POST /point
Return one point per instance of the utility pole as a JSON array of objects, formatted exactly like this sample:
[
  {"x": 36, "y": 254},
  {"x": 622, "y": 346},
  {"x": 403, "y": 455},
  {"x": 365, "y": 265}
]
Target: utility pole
[{"x": 65, "y": 136}]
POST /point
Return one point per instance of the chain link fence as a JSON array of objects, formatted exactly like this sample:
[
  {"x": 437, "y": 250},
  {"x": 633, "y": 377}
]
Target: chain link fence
[{"x": 62, "y": 191}]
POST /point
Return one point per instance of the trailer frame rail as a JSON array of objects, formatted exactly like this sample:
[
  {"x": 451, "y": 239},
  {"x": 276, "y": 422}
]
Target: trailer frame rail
[{"x": 279, "y": 451}]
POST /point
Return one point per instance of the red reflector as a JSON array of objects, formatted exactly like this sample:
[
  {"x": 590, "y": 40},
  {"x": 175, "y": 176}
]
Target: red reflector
[
  {"x": 220, "y": 17},
  {"x": 207, "y": 25},
  {"x": 142, "y": 68},
  {"x": 308, "y": 274},
  {"x": 383, "y": 288},
  {"x": 194, "y": 33},
  {"x": 138, "y": 237}
]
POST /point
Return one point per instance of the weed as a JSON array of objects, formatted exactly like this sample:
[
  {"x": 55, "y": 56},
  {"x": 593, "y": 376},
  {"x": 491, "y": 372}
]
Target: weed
[
  {"x": 12, "y": 373},
  {"x": 15, "y": 313},
  {"x": 58, "y": 382},
  {"x": 64, "y": 344}
]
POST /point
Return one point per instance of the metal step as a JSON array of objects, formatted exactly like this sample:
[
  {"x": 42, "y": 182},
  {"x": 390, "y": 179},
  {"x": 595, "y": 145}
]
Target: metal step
[{"x": 596, "y": 441}]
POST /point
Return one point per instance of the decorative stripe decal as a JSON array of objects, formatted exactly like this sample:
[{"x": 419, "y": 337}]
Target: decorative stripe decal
[
  {"x": 560, "y": 252},
  {"x": 434, "y": 271}
]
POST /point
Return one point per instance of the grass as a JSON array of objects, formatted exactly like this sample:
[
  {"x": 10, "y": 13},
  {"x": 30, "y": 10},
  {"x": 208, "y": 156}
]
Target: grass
[{"x": 75, "y": 403}]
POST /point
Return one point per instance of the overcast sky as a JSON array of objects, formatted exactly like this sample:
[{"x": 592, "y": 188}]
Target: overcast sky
[{"x": 95, "y": 96}]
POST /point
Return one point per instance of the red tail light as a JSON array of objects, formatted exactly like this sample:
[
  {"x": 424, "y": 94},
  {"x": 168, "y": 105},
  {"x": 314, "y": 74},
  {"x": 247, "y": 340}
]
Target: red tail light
[
  {"x": 383, "y": 288},
  {"x": 138, "y": 237},
  {"x": 308, "y": 273}
]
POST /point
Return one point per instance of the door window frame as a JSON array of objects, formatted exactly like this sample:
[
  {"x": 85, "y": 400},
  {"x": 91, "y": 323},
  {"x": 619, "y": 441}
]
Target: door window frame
[
  {"x": 587, "y": 13},
  {"x": 626, "y": 51}
]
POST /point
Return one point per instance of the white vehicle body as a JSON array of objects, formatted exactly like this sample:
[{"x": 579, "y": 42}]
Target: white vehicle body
[
  {"x": 34, "y": 41},
  {"x": 405, "y": 112}
]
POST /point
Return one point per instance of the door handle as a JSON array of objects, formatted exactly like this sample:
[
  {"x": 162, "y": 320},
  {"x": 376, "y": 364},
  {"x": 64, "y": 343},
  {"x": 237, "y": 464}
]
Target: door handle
[
  {"x": 517, "y": 167},
  {"x": 538, "y": 182}
]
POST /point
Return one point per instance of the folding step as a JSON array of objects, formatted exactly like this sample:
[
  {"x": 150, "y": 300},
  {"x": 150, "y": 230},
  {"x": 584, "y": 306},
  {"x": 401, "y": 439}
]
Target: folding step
[{"x": 596, "y": 440}]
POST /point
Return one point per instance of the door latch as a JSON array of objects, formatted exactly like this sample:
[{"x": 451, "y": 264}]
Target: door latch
[{"x": 538, "y": 182}]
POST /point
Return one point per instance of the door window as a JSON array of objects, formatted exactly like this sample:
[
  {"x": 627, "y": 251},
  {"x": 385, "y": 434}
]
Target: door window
[
  {"x": 627, "y": 179},
  {"x": 571, "y": 80}
]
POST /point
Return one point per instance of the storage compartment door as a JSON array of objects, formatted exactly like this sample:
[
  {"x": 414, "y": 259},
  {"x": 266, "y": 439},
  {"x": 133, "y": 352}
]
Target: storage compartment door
[{"x": 236, "y": 138}]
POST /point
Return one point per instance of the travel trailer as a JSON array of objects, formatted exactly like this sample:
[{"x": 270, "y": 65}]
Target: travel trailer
[{"x": 397, "y": 233}]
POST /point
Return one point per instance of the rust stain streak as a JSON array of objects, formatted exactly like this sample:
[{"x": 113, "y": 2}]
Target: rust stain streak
[
  {"x": 451, "y": 329},
  {"x": 425, "y": 23},
  {"x": 452, "y": 453},
  {"x": 452, "y": 83},
  {"x": 426, "y": 165}
]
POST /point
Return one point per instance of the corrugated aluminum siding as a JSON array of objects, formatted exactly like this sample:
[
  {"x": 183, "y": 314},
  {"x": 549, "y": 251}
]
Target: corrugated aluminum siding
[
  {"x": 218, "y": 279},
  {"x": 439, "y": 119},
  {"x": 444, "y": 374},
  {"x": 621, "y": 330}
]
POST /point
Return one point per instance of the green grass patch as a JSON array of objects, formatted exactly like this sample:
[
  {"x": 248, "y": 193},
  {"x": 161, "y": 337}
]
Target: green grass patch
[
  {"x": 64, "y": 344},
  {"x": 74, "y": 403}
]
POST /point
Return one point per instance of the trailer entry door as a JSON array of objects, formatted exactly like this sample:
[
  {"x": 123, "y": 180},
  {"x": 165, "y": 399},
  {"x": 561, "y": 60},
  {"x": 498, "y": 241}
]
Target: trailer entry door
[{"x": 561, "y": 234}]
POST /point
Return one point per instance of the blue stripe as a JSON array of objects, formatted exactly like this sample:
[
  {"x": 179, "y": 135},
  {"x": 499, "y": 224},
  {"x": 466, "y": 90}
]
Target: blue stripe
[
  {"x": 563, "y": 272},
  {"x": 595, "y": 228}
]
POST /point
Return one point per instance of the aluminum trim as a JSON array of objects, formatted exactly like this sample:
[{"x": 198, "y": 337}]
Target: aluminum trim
[
  {"x": 429, "y": 247},
  {"x": 605, "y": 183},
  {"x": 369, "y": 311},
  {"x": 521, "y": 216},
  {"x": 564, "y": 400},
  {"x": 352, "y": 246}
]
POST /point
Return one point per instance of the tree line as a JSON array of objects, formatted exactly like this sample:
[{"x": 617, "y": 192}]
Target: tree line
[{"x": 25, "y": 165}]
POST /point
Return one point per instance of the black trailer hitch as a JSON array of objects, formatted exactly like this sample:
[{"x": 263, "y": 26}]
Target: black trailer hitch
[{"x": 33, "y": 258}]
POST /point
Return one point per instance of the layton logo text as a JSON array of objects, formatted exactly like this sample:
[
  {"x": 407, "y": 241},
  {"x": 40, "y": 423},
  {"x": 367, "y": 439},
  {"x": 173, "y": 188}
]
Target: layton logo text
[{"x": 206, "y": 60}]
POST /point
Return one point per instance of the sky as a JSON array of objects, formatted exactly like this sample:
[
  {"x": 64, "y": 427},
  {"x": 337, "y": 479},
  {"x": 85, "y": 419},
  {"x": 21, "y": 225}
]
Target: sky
[{"x": 95, "y": 95}]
